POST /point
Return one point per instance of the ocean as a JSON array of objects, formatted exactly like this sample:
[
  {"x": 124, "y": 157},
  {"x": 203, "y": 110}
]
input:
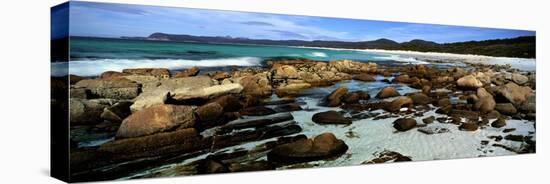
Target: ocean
[{"x": 92, "y": 56}]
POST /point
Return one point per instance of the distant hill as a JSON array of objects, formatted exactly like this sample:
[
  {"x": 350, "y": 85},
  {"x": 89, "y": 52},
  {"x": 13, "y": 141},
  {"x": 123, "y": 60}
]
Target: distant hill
[{"x": 523, "y": 47}]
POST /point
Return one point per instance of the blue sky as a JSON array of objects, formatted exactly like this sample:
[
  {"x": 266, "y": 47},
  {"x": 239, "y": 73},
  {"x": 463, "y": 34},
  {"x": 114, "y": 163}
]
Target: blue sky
[{"x": 115, "y": 20}]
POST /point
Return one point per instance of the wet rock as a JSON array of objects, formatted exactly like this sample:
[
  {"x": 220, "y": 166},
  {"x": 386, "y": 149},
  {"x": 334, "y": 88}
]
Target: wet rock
[
  {"x": 257, "y": 111},
  {"x": 387, "y": 92},
  {"x": 497, "y": 138},
  {"x": 251, "y": 166},
  {"x": 229, "y": 103},
  {"x": 471, "y": 115},
  {"x": 519, "y": 79},
  {"x": 492, "y": 115},
  {"x": 151, "y": 143},
  {"x": 190, "y": 72},
  {"x": 529, "y": 106},
  {"x": 420, "y": 99},
  {"x": 469, "y": 126},
  {"x": 288, "y": 108},
  {"x": 211, "y": 166},
  {"x": 162, "y": 73},
  {"x": 364, "y": 77},
  {"x": 514, "y": 93},
  {"x": 506, "y": 108},
  {"x": 486, "y": 102},
  {"x": 323, "y": 146},
  {"x": 355, "y": 97},
  {"x": 398, "y": 103},
  {"x": 118, "y": 112},
  {"x": 387, "y": 156},
  {"x": 428, "y": 120},
  {"x": 443, "y": 102},
  {"x": 253, "y": 123},
  {"x": 433, "y": 130},
  {"x": 500, "y": 122},
  {"x": 158, "y": 118},
  {"x": 335, "y": 98},
  {"x": 209, "y": 112},
  {"x": 469, "y": 82},
  {"x": 402, "y": 79},
  {"x": 85, "y": 112},
  {"x": 404, "y": 124},
  {"x": 118, "y": 88},
  {"x": 289, "y": 89},
  {"x": 426, "y": 89},
  {"x": 518, "y": 138},
  {"x": 330, "y": 117}
]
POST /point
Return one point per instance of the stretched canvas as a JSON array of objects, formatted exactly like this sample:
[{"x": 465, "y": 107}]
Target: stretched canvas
[{"x": 142, "y": 91}]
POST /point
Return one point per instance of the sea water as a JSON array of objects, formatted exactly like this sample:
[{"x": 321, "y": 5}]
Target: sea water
[{"x": 92, "y": 56}]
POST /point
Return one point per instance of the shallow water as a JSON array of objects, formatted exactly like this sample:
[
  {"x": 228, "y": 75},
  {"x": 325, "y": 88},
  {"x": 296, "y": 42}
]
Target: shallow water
[{"x": 367, "y": 137}]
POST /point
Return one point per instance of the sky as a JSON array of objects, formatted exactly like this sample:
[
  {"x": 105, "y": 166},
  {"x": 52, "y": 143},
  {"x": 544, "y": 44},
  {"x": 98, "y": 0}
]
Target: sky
[{"x": 116, "y": 20}]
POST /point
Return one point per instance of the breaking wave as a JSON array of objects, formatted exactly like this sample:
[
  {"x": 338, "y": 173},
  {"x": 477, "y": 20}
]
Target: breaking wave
[{"x": 94, "y": 67}]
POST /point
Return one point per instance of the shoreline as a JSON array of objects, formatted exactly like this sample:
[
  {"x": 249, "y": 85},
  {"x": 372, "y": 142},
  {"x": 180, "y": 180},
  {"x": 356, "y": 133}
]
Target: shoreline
[{"x": 526, "y": 64}]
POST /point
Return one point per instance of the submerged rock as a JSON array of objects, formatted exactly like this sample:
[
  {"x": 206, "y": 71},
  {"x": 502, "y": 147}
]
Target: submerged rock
[
  {"x": 428, "y": 120},
  {"x": 500, "y": 122},
  {"x": 330, "y": 117},
  {"x": 433, "y": 130},
  {"x": 387, "y": 92},
  {"x": 404, "y": 124},
  {"x": 469, "y": 126},
  {"x": 420, "y": 99},
  {"x": 387, "y": 156},
  {"x": 323, "y": 146},
  {"x": 257, "y": 111},
  {"x": 335, "y": 98},
  {"x": 398, "y": 103},
  {"x": 364, "y": 77}
]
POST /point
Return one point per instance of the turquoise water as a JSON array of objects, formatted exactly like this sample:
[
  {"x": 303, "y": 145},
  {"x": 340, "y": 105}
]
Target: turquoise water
[{"x": 92, "y": 56}]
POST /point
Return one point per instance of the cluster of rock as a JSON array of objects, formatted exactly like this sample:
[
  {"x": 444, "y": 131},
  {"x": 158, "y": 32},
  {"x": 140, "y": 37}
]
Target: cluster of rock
[{"x": 155, "y": 115}]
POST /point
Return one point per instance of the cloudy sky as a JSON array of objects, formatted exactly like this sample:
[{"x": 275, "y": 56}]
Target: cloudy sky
[{"x": 115, "y": 20}]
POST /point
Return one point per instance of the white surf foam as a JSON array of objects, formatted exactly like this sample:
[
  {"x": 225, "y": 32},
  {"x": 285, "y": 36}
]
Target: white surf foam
[
  {"x": 317, "y": 54},
  {"x": 401, "y": 59},
  {"x": 96, "y": 67}
]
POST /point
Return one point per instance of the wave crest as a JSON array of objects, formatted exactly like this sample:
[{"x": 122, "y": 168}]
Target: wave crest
[{"x": 96, "y": 67}]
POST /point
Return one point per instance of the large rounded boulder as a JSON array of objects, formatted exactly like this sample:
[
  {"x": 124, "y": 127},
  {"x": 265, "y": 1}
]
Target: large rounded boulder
[
  {"x": 469, "y": 81},
  {"x": 404, "y": 124},
  {"x": 323, "y": 146},
  {"x": 387, "y": 92},
  {"x": 154, "y": 119},
  {"x": 330, "y": 117}
]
